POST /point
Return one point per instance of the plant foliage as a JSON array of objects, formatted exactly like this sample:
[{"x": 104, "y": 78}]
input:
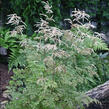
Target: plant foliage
[{"x": 59, "y": 66}]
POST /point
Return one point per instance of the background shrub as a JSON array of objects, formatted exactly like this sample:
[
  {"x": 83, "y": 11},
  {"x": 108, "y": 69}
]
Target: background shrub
[{"x": 30, "y": 11}]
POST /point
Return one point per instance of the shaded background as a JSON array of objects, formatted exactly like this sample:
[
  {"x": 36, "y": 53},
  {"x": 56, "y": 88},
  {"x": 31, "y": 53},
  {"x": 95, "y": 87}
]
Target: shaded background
[{"x": 30, "y": 11}]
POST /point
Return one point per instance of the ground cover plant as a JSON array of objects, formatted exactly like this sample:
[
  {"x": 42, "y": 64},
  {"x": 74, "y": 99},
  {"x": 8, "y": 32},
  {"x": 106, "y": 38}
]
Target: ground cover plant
[{"x": 58, "y": 66}]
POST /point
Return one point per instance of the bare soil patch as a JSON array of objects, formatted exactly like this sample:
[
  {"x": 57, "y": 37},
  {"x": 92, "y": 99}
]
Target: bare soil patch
[{"x": 4, "y": 79}]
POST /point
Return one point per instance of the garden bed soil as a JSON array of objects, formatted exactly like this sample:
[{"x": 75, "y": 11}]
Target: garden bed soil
[{"x": 4, "y": 79}]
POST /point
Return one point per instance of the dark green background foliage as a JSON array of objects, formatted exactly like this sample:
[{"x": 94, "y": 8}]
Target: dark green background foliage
[
  {"x": 30, "y": 10},
  {"x": 97, "y": 9}
]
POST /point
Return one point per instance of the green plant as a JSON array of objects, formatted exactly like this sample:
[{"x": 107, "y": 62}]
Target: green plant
[
  {"x": 97, "y": 9},
  {"x": 53, "y": 62},
  {"x": 10, "y": 39},
  {"x": 11, "y": 43},
  {"x": 32, "y": 9}
]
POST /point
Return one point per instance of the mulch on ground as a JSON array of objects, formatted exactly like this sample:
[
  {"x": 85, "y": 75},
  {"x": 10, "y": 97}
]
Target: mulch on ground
[{"x": 4, "y": 79}]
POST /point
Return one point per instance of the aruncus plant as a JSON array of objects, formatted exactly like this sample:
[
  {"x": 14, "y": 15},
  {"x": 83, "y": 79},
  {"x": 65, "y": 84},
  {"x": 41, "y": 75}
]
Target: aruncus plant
[{"x": 58, "y": 64}]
